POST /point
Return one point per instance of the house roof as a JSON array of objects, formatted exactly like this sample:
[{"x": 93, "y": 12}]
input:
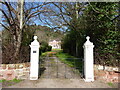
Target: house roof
[{"x": 54, "y": 40}]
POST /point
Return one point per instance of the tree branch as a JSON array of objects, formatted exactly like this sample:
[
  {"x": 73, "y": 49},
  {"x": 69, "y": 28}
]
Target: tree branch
[
  {"x": 5, "y": 16},
  {"x": 98, "y": 11},
  {"x": 5, "y": 27}
]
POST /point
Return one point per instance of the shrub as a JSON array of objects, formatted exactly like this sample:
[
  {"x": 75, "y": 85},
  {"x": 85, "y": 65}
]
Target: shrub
[
  {"x": 45, "y": 47},
  {"x": 49, "y": 48}
]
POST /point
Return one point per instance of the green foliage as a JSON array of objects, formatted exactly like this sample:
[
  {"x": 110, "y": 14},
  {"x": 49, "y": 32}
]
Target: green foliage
[
  {"x": 104, "y": 31},
  {"x": 9, "y": 82},
  {"x": 14, "y": 80},
  {"x": 28, "y": 34},
  {"x": 1, "y": 81},
  {"x": 49, "y": 48},
  {"x": 44, "y": 54},
  {"x": 97, "y": 22},
  {"x": 70, "y": 60},
  {"x": 74, "y": 38},
  {"x": 45, "y": 47},
  {"x": 110, "y": 84}
]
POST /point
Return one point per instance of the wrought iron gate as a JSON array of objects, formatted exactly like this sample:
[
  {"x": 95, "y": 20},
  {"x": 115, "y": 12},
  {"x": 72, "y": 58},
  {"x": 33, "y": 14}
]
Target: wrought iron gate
[{"x": 53, "y": 67}]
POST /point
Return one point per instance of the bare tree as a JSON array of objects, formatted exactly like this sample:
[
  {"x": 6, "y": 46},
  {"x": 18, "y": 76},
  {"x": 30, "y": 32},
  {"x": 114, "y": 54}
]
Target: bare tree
[
  {"x": 15, "y": 17},
  {"x": 61, "y": 14}
]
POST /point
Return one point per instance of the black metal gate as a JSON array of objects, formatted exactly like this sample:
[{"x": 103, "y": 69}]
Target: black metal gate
[{"x": 54, "y": 67}]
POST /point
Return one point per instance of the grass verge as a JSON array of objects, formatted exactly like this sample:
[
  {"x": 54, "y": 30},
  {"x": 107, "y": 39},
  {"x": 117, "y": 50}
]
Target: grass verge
[
  {"x": 110, "y": 84},
  {"x": 70, "y": 60},
  {"x": 9, "y": 82},
  {"x": 14, "y": 80}
]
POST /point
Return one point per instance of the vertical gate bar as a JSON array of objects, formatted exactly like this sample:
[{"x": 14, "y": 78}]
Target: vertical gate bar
[
  {"x": 65, "y": 72},
  {"x": 40, "y": 67},
  {"x": 57, "y": 68},
  {"x": 51, "y": 66},
  {"x": 82, "y": 68},
  {"x": 49, "y": 75},
  {"x": 47, "y": 67},
  {"x": 46, "y": 64},
  {"x": 74, "y": 69}
]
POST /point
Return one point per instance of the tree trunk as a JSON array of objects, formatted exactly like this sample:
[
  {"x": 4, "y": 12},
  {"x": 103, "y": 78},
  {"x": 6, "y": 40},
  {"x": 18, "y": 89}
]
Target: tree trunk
[
  {"x": 76, "y": 27},
  {"x": 18, "y": 32},
  {"x": 17, "y": 45},
  {"x": 76, "y": 48}
]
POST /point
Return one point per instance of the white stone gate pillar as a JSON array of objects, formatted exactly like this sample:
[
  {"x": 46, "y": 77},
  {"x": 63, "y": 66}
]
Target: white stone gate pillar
[
  {"x": 88, "y": 60},
  {"x": 34, "y": 59}
]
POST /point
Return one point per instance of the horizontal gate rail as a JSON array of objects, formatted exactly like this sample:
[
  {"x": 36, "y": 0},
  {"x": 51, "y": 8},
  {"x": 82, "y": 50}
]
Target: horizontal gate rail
[{"x": 57, "y": 68}]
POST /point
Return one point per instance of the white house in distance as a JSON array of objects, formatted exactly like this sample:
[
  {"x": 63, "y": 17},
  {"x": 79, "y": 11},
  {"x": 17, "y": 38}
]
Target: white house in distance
[{"x": 56, "y": 44}]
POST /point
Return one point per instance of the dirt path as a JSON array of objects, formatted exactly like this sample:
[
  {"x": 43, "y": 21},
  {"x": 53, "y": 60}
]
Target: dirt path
[
  {"x": 56, "y": 69},
  {"x": 58, "y": 75}
]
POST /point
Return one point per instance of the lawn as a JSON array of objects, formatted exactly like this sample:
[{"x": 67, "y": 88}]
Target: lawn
[{"x": 70, "y": 60}]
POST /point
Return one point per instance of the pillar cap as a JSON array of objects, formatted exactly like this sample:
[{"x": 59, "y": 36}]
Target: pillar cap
[
  {"x": 35, "y": 42},
  {"x": 88, "y": 43},
  {"x": 88, "y": 38},
  {"x": 35, "y": 37}
]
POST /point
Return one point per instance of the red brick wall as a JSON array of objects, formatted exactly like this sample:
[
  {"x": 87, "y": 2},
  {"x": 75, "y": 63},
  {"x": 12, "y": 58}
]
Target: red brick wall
[
  {"x": 107, "y": 75},
  {"x": 11, "y": 71}
]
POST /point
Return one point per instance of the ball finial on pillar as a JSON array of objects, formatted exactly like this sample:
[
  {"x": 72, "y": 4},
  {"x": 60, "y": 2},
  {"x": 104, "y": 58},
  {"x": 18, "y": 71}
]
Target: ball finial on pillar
[
  {"x": 88, "y": 38},
  {"x": 35, "y": 37}
]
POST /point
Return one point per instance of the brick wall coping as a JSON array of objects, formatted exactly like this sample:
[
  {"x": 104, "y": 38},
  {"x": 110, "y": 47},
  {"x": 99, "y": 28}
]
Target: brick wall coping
[
  {"x": 15, "y": 66},
  {"x": 107, "y": 68}
]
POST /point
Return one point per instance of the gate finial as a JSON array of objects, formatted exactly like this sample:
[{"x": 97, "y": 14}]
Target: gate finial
[
  {"x": 88, "y": 38},
  {"x": 35, "y": 37}
]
